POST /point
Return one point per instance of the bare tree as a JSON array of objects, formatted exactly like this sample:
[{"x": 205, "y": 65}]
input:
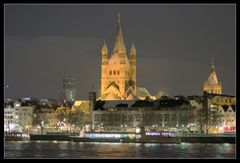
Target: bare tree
[
  {"x": 206, "y": 119},
  {"x": 200, "y": 118}
]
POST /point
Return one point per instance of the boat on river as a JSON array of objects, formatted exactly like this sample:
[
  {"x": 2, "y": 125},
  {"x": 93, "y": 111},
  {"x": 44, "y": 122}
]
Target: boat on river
[
  {"x": 16, "y": 136},
  {"x": 128, "y": 137}
]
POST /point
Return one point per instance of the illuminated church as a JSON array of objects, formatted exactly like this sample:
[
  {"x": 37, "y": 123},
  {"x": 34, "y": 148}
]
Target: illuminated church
[
  {"x": 118, "y": 73},
  {"x": 213, "y": 85}
]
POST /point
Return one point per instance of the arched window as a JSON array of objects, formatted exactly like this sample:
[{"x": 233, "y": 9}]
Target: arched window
[
  {"x": 118, "y": 72},
  {"x": 114, "y": 72},
  {"x": 110, "y": 72}
]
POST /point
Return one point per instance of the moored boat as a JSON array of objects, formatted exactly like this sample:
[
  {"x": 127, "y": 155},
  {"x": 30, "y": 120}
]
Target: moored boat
[
  {"x": 127, "y": 137},
  {"x": 16, "y": 136}
]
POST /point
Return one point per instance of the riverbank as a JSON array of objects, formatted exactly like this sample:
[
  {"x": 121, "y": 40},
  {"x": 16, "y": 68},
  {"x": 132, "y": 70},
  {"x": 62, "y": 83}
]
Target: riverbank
[
  {"x": 195, "y": 139},
  {"x": 58, "y": 137},
  {"x": 231, "y": 140}
]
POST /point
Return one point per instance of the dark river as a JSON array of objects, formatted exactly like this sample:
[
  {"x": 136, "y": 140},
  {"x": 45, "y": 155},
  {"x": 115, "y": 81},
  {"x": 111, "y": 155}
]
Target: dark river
[{"x": 65, "y": 149}]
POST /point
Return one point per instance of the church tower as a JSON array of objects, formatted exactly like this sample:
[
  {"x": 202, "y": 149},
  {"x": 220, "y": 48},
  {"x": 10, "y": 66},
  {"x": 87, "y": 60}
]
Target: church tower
[
  {"x": 133, "y": 67},
  {"x": 213, "y": 85},
  {"x": 118, "y": 76},
  {"x": 104, "y": 68}
]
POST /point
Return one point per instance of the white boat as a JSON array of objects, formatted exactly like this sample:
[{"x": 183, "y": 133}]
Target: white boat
[
  {"x": 127, "y": 137},
  {"x": 16, "y": 136}
]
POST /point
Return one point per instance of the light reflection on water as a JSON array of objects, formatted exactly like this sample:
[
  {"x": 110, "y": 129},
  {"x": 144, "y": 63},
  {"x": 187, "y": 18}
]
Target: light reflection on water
[{"x": 65, "y": 149}]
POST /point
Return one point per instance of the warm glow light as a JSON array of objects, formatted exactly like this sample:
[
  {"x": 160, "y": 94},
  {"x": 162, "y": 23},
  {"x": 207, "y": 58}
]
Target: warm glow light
[{"x": 138, "y": 130}]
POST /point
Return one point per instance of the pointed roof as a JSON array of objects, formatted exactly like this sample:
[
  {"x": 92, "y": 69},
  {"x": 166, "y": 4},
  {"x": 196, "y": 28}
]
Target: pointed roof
[
  {"x": 142, "y": 92},
  {"x": 212, "y": 66},
  {"x": 212, "y": 79},
  {"x": 114, "y": 85},
  {"x": 111, "y": 96},
  {"x": 114, "y": 59},
  {"x": 131, "y": 96},
  {"x": 119, "y": 44},
  {"x": 104, "y": 47},
  {"x": 133, "y": 50}
]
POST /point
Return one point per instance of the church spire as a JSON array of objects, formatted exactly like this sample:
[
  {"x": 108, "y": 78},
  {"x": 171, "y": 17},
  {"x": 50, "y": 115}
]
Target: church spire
[
  {"x": 104, "y": 49},
  {"x": 133, "y": 52},
  {"x": 133, "y": 48},
  {"x": 212, "y": 66},
  {"x": 119, "y": 18},
  {"x": 119, "y": 44}
]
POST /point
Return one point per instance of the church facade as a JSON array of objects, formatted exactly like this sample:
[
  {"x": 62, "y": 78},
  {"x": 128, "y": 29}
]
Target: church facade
[{"x": 118, "y": 73}]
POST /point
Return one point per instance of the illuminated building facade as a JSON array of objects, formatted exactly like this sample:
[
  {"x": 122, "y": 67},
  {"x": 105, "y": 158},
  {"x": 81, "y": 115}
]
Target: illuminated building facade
[
  {"x": 48, "y": 116},
  {"x": 226, "y": 118},
  {"x": 213, "y": 85},
  {"x": 127, "y": 119},
  {"x": 25, "y": 115},
  {"x": 10, "y": 118},
  {"x": 118, "y": 73},
  {"x": 222, "y": 99},
  {"x": 126, "y": 115},
  {"x": 226, "y": 112}
]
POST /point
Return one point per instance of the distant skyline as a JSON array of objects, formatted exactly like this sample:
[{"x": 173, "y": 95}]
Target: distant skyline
[{"x": 174, "y": 44}]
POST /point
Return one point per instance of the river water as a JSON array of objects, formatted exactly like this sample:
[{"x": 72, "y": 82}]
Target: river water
[{"x": 90, "y": 150}]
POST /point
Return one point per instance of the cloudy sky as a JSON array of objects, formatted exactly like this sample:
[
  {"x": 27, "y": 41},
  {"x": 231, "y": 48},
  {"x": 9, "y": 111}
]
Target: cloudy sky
[{"x": 174, "y": 43}]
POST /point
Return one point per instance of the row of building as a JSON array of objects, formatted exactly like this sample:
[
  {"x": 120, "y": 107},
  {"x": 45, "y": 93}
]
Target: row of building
[{"x": 163, "y": 113}]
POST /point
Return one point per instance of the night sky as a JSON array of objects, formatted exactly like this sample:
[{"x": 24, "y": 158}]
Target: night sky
[{"x": 174, "y": 43}]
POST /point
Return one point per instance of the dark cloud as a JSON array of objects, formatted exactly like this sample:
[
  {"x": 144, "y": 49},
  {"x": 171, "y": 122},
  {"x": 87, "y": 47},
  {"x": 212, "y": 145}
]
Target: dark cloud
[{"x": 174, "y": 45}]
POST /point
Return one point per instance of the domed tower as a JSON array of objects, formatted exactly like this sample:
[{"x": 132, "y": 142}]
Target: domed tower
[{"x": 213, "y": 85}]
